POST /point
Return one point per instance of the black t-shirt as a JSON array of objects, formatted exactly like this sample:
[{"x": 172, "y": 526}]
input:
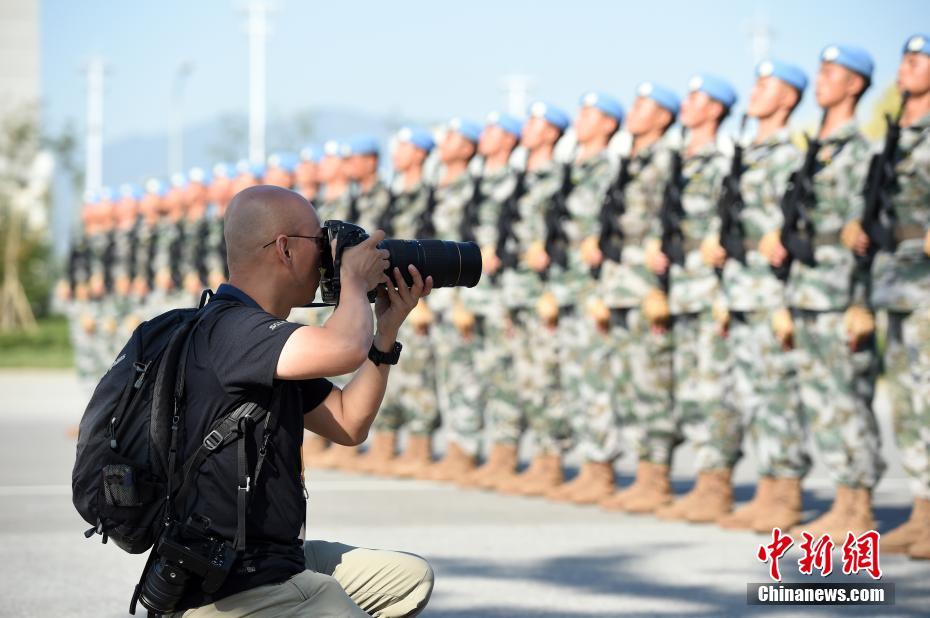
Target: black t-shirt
[{"x": 233, "y": 356}]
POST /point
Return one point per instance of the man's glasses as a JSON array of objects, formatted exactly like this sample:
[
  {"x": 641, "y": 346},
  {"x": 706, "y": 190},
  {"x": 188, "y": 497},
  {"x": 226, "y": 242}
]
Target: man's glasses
[{"x": 318, "y": 239}]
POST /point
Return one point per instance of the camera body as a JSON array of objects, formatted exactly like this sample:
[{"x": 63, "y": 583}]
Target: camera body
[
  {"x": 450, "y": 264},
  {"x": 185, "y": 550}
]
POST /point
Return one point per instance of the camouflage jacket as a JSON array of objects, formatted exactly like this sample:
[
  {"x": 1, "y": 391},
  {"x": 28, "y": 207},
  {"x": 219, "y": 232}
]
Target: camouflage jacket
[
  {"x": 902, "y": 279},
  {"x": 146, "y": 244},
  {"x": 523, "y": 286},
  {"x": 168, "y": 239},
  {"x": 100, "y": 256},
  {"x": 625, "y": 283},
  {"x": 590, "y": 180},
  {"x": 371, "y": 206},
  {"x": 215, "y": 250},
  {"x": 124, "y": 252},
  {"x": 336, "y": 208},
  {"x": 451, "y": 200},
  {"x": 842, "y": 160},
  {"x": 495, "y": 187},
  {"x": 753, "y": 286},
  {"x": 693, "y": 286},
  {"x": 408, "y": 208}
]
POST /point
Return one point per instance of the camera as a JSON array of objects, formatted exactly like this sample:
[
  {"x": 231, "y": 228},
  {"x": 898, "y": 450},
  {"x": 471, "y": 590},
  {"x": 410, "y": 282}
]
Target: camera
[
  {"x": 183, "y": 551},
  {"x": 450, "y": 264}
]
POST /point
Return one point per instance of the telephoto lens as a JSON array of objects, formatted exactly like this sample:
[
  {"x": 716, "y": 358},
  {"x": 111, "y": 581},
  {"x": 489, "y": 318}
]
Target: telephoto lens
[
  {"x": 450, "y": 264},
  {"x": 163, "y": 587}
]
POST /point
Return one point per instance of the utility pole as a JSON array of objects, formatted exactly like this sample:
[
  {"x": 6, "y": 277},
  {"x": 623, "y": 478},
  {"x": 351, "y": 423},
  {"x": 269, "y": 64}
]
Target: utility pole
[
  {"x": 516, "y": 88},
  {"x": 258, "y": 34},
  {"x": 93, "y": 160},
  {"x": 176, "y": 141}
]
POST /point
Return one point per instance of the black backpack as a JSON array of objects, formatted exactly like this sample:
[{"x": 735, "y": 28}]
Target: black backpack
[{"x": 126, "y": 474}]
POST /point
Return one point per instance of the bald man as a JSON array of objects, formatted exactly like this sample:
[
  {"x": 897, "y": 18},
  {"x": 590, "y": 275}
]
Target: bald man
[{"x": 245, "y": 350}]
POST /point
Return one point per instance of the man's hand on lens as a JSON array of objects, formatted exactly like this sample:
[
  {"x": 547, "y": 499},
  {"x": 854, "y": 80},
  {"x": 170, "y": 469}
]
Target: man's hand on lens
[
  {"x": 366, "y": 263},
  {"x": 395, "y": 303}
]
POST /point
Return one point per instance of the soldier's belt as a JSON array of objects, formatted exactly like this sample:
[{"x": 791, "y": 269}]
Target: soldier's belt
[{"x": 908, "y": 232}]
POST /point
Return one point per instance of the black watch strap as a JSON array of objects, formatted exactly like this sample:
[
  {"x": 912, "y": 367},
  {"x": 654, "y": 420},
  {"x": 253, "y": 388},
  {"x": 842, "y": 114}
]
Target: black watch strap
[{"x": 385, "y": 358}]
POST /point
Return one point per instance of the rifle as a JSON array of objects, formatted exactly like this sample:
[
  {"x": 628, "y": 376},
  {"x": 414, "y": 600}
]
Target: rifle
[
  {"x": 797, "y": 232},
  {"x": 879, "y": 218},
  {"x": 671, "y": 215},
  {"x": 878, "y": 215},
  {"x": 610, "y": 239},
  {"x": 353, "y": 213},
  {"x": 470, "y": 215},
  {"x": 509, "y": 215},
  {"x": 556, "y": 241},
  {"x": 426, "y": 228},
  {"x": 731, "y": 204}
]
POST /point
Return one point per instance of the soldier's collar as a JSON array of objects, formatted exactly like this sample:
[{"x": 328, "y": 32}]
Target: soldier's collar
[{"x": 843, "y": 132}]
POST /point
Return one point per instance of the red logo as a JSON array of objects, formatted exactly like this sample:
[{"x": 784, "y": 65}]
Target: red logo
[{"x": 859, "y": 553}]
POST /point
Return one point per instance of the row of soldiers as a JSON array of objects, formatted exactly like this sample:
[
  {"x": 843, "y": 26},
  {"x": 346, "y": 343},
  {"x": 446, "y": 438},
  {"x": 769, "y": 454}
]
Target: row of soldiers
[{"x": 678, "y": 293}]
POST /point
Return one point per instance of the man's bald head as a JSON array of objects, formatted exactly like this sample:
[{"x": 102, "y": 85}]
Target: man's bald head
[{"x": 258, "y": 215}]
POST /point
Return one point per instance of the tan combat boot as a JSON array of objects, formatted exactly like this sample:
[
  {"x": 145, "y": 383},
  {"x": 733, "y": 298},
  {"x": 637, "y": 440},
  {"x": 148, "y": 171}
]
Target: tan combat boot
[
  {"x": 456, "y": 463},
  {"x": 920, "y": 549},
  {"x": 742, "y": 518},
  {"x": 657, "y": 494},
  {"x": 337, "y": 457},
  {"x": 415, "y": 460},
  {"x": 715, "y": 498},
  {"x": 785, "y": 509},
  {"x": 837, "y": 513},
  {"x": 898, "y": 540},
  {"x": 313, "y": 448},
  {"x": 543, "y": 475},
  {"x": 639, "y": 486},
  {"x": 594, "y": 483},
  {"x": 380, "y": 454},
  {"x": 500, "y": 464}
]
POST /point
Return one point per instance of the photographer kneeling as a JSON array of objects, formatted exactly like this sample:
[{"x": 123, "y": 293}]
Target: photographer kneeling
[{"x": 244, "y": 349}]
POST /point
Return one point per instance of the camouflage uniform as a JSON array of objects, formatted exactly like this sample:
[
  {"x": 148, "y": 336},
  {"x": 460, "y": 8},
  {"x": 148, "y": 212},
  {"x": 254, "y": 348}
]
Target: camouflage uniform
[
  {"x": 337, "y": 208},
  {"x": 902, "y": 287},
  {"x": 495, "y": 341},
  {"x": 457, "y": 384},
  {"x": 588, "y": 371},
  {"x": 535, "y": 346},
  {"x": 699, "y": 357},
  {"x": 169, "y": 239},
  {"x": 410, "y": 399},
  {"x": 835, "y": 386},
  {"x": 102, "y": 308},
  {"x": 146, "y": 245},
  {"x": 762, "y": 373},
  {"x": 125, "y": 305},
  {"x": 371, "y": 206},
  {"x": 77, "y": 311}
]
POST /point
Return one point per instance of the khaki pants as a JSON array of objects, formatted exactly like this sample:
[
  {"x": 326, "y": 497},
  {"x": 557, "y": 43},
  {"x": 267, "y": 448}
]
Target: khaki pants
[{"x": 340, "y": 580}]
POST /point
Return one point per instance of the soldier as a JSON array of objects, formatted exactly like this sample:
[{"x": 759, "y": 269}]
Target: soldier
[
  {"x": 410, "y": 401},
  {"x": 493, "y": 331},
  {"x": 305, "y": 176},
  {"x": 453, "y": 331},
  {"x": 100, "y": 283},
  {"x": 836, "y": 368},
  {"x": 143, "y": 284},
  {"x": 168, "y": 291},
  {"x": 196, "y": 234},
  {"x": 336, "y": 188},
  {"x": 74, "y": 290},
  {"x": 371, "y": 195},
  {"x": 534, "y": 342},
  {"x": 627, "y": 370},
  {"x": 699, "y": 354},
  {"x": 762, "y": 375},
  {"x": 280, "y": 170},
  {"x": 573, "y": 284},
  {"x": 219, "y": 193},
  {"x": 902, "y": 287},
  {"x": 124, "y": 266},
  {"x": 248, "y": 174}
]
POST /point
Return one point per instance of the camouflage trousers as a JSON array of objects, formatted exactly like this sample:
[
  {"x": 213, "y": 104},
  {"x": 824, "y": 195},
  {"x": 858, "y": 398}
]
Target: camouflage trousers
[
  {"x": 495, "y": 363},
  {"x": 538, "y": 377},
  {"x": 410, "y": 399},
  {"x": 82, "y": 325},
  {"x": 908, "y": 372},
  {"x": 622, "y": 378},
  {"x": 836, "y": 388},
  {"x": 764, "y": 391},
  {"x": 701, "y": 372},
  {"x": 457, "y": 384}
]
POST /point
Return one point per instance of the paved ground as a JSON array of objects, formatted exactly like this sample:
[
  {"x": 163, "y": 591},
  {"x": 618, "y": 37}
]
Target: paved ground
[{"x": 493, "y": 555}]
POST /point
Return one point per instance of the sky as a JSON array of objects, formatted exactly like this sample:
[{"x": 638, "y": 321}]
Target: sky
[{"x": 432, "y": 59}]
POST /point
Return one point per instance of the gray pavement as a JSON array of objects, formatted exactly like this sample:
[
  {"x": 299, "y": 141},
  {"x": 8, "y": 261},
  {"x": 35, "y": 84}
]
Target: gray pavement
[{"x": 493, "y": 555}]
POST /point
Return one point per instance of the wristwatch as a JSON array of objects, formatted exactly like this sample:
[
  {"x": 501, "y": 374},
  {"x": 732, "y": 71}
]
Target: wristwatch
[{"x": 385, "y": 358}]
